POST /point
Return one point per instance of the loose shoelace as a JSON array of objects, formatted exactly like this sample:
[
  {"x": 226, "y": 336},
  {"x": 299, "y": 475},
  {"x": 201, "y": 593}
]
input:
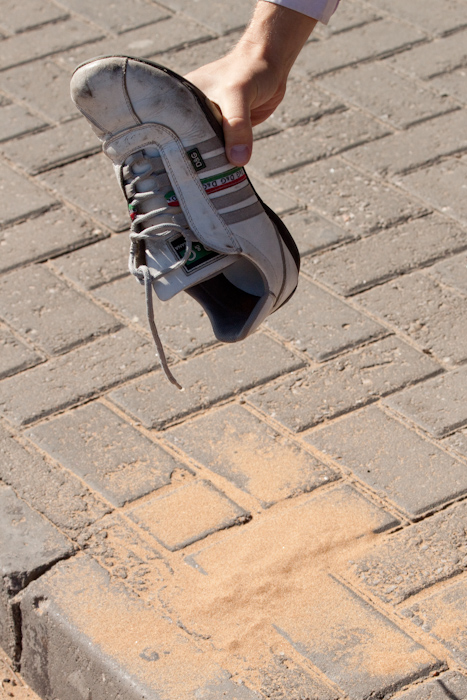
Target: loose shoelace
[{"x": 143, "y": 229}]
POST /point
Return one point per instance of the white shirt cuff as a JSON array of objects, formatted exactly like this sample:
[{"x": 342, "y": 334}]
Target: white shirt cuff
[{"x": 318, "y": 9}]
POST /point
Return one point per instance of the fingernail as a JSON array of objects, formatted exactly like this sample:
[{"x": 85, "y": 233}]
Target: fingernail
[{"x": 239, "y": 154}]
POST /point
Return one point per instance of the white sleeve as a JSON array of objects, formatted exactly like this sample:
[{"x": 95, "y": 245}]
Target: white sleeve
[{"x": 318, "y": 9}]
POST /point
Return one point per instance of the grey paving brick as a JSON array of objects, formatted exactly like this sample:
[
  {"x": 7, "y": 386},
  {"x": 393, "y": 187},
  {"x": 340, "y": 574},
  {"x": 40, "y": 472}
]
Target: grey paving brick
[
  {"x": 374, "y": 87},
  {"x": 91, "y": 185},
  {"x": 29, "y": 545},
  {"x": 457, "y": 442},
  {"x": 440, "y": 407},
  {"x": 16, "y": 121},
  {"x": 188, "y": 514},
  {"x": 431, "y": 315},
  {"x": 322, "y": 325},
  {"x": 442, "y": 185},
  {"x": 280, "y": 202},
  {"x": 183, "y": 325},
  {"x": 285, "y": 678},
  {"x": 45, "y": 41},
  {"x": 55, "y": 232},
  {"x": 357, "y": 638},
  {"x": 48, "y": 488},
  {"x": 313, "y": 232},
  {"x": 71, "y": 620},
  {"x": 15, "y": 355},
  {"x": 378, "y": 449},
  {"x": 370, "y": 41},
  {"x": 123, "y": 16},
  {"x": 191, "y": 57},
  {"x": 350, "y": 16},
  {"x": 453, "y": 84},
  {"x": 301, "y": 104},
  {"x": 52, "y": 147},
  {"x": 446, "y": 687},
  {"x": 309, "y": 397},
  {"x": 369, "y": 261},
  {"x": 331, "y": 134},
  {"x": 167, "y": 35},
  {"x": 75, "y": 377},
  {"x": 436, "y": 57},
  {"x": 255, "y": 457},
  {"x": 444, "y": 615},
  {"x": 213, "y": 15},
  {"x": 17, "y": 18},
  {"x": 452, "y": 272},
  {"x": 96, "y": 264},
  {"x": 415, "y": 558},
  {"x": 343, "y": 194},
  {"x": 107, "y": 453},
  {"x": 20, "y": 197},
  {"x": 216, "y": 375},
  {"x": 49, "y": 312},
  {"x": 411, "y": 149},
  {"x": 46, "y": 90},
  {"x": 427, "y": 15}
]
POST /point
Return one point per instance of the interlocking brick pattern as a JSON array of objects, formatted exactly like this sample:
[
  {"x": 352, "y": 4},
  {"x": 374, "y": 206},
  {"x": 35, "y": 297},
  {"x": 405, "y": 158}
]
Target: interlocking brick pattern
[{"x": 318, "y": 468}]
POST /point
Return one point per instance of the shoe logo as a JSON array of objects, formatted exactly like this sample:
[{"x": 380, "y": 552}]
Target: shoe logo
[
  {"x": 212, "y": 184},
  {"x": 199, "y": 253},
  {"x": 196, "y": 159}
]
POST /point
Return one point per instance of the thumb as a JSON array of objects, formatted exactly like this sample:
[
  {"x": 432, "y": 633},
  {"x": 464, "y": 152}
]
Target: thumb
[{"x": 238, "y": 132}]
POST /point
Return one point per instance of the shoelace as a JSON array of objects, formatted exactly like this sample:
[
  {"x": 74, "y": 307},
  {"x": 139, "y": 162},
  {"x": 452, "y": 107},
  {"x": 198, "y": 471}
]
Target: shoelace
[{"x": 142, "y": 229}]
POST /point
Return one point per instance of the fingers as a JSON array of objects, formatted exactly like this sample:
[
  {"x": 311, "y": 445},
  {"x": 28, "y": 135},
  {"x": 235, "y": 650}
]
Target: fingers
[{"x": 238, "y": 131}]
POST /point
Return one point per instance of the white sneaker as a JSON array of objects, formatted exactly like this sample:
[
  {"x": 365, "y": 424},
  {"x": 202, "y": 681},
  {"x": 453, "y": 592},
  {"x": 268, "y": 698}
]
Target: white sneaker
[{"x": 197, "y": 223}]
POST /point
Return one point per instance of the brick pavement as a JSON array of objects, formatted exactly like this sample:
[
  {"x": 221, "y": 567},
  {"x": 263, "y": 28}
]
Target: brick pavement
[{"x": 293, "y": 525}]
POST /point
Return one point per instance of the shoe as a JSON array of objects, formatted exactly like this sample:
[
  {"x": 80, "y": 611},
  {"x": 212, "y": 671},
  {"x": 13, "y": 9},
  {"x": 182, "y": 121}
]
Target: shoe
[{"x": 197, "y": 223}]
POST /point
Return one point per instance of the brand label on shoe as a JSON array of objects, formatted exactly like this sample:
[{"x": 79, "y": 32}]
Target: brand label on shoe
[
  {"x": 200, "y": 255},
  {"x": 212, "y": 184},
  {"x": 196, "y": 159}
]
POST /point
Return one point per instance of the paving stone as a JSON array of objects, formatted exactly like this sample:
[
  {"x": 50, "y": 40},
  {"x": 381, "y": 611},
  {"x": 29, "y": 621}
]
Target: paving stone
[
  {"x": 188, "y": 514},
  {"x": 444, "y": 616},
  {"x": 75, "y": 377},
  {"x": 343, "y": 194},
  {"x": 309, "y": 397},
  {"x": 49, "y": 312},
  {"x": 107, "y": 453},
  {"x": 97, "y": 264},
  {"x": 457, "y": 442},
  {"x": 20, "y": 197},
  {"x": 378, "y": 449},
  {"x": 45, "y": 90},
  {"x": 373, "y": 86},
  {"x": 453, "y": 84},
  {"x": 45, "y": 41},
  {"x": 442, "y": 185},
  {"x": 427, "y": 15},
  {"x": 415, "y": 558},
  {"x": 91, "y": 185},
  {"x": 431, "y": 315},
  {"x": 301, "y": 104},
  {"x": 280, "y": 202},
  {"x": 15, "y": 356},
  {"x": 452, "y": 272},
  {"x": 285, "y": 678},
  {"x": 216, "y": 375},
  {"x": 167, "y": 35},
  {"x": 369, "y": 261},
  {"x": 55, "y": 232},
  {"x": 191, "y": 57},
  {"x": 16, "y": 121},
  {"x": 331, "y": 134},
  {"x": 183, "y": 325},
  {"x": 407, "y": 150},
  {"x": 370, "y": 41},
  {"x": 350, "y": 16},
  {"x": 52, "y": 147},
  {"x": 313, "y": 232},
  {"x": 77, "y": 656},
  {"x": 255, "y": 457},
  {"x": 213, "y": 15},
  {"x": 358, "y": 648},
  {"x": 29, "y": 14},
  {"x": 322, "y": 325},
  {"x": 446, "y": 687},
  {"x": 432, "y": 59},
  {"x": 48, "y": 488},
  {"x": 123, "y": 16},
  {"x": 439, "y": 407}
]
